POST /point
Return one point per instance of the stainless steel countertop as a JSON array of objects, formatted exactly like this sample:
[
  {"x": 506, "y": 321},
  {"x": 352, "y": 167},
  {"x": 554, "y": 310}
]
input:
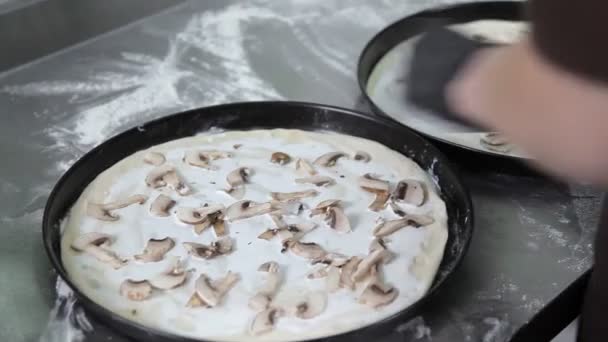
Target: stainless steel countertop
[{"x": 533, "y": 237}]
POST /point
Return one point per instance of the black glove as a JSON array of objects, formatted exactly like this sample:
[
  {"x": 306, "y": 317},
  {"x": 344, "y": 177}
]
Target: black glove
[{"x": 438, "y": 56}]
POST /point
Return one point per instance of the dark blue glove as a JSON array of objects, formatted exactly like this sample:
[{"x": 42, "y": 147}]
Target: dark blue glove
[{"x": 438, "y": 56}]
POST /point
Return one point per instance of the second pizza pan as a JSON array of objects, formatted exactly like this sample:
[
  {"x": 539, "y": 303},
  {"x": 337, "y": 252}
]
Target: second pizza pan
[
  {"x": 383, "y": 67},
  {"x": 247, "y": 116}
]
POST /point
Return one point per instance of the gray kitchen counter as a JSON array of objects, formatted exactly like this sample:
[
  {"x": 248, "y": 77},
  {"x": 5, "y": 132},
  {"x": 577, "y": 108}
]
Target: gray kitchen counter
[{"x": 533, "y": 236}]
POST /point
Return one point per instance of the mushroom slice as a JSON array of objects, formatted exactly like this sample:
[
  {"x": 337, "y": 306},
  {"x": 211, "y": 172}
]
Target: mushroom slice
[
  {"x": 337, "y": 220},
  {"x": 304, "y": 168},
  {"x": 292, "y": 207},
  {"x": 389, "y": 227},
  {"x": 209, "y": 294},
  {"x": 136, "y": 290},
  {"x": 93, "y": 244},
  {"x": 377, "y": 294},
  {"x": 410, "y": 191},
  {"x": 197, "y": 215},
  {"x": 219, "y": 226},
  {"x": 175, "y": 277},
  {"x": 161, "y": 205},
  {"x": 311, "y": 307},
  {"x": 278, "y": 221},
  {"x": 237, "y": 180},
  {"x": 106, "y": 256},
  {"x": 154, "y": 158},
  {"x": 377, "y": 244},
  {"x": 308, "y": 250},
  {"x": 103, "y": 211},
  {"x": 317, "y": 180},
  {"x": 219, "y": 247},
  {"x": 334, "y": 259},
  {"x": 268, "y": 234},
  {"x": 280, "y": 158},
  {"x": 397, "y": 210},
  {"x": 333, "y": 278},
  {"x": 198, "y": 159},
  {"x": 245, "y": 209},
  {"x": 155, "y": 250},
  {"x": 264, "y": 321},
  {"x": 363, "y": 156},
  {"x": 288, "y": 196},
  {"x": 329, "y": 159},
  {"x": 166, "y": 175},
  {"x": 366, "y": 265},
  {"x": 318, "y": 272},
  {"x": 264, "y": 295},
  {"x": 85, "y": 240},
  {"x": 155, "y": 178},
  {"x": 323, "y": 206},
  {"x": 495, "y": 142},
  {"x": 380, "y": 201},
  {"x": 373, "y": 184},
  {"x": 347, "y": 272}
]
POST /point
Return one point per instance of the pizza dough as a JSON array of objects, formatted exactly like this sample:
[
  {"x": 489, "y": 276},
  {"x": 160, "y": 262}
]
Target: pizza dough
[{"x": 415, "y": 250}]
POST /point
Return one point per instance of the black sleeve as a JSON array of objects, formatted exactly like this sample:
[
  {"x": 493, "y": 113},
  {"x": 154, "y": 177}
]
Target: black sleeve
[{"x": 573, "y": 34}]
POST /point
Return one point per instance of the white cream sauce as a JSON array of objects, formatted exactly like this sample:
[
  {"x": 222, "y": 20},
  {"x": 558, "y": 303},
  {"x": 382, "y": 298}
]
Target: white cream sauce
[{"x": 418, "y": 251}]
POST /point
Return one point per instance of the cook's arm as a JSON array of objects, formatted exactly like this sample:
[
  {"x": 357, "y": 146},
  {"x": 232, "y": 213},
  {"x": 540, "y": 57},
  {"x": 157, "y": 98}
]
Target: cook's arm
[{"x": 549, "y": 93}]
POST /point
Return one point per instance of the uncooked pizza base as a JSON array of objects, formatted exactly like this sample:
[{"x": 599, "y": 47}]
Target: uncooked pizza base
[{"x": 417, "y": 251}]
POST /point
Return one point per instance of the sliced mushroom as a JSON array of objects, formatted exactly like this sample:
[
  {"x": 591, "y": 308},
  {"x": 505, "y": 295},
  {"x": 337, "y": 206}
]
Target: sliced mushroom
[
  {"x": 319, "y": 271},
  {"x": 154, "y": 158},
  {"x": 103, "y": 211},
  {"x": 346, "y": 276},
  {"x": 287, "y": 196},
  {"x": 288, "y": 232},
  {"x": 219, "y": 247},
  {"x": 292, "y": 207},
  {"x": 95, "y": 244},
  {"x": 245, "y": 209},
  {"x": 337, "y": 220},
  {"x": 136, "y": 290},
  {"x": 264, "y": 321},
  {"x": 161, "y": 205},
  {"x": 219, "y": 226},
  {"x": 496, "y": 142},
  {"x": 397, "y": 210},
  {"x": 333, "y": 278},
  {"x": 372, "y": 183},
  {"x": 380, "y": 188},
  {"x": 85, "y": 240},
  {"x": 198, "y": 159},
  {"x": 363, "y": 156},
  {"x": 308, "y": 250},
  {"x": 202, "y": 158},
  {"x": 377, "y": 294},
  {"x": 237, "y": 180},
  {"x": 334, "y": 259},
  {"x": 329, "y": 159},
  {"x": 155, "y": 250},
  {"x": 105, "y": 255},
  {"x": 166, "y": 175},
  {"x": 264, "y": 295},
  {"x": 171, "y": 279},
  {"x": 278, "y": 221},
  {"x": 365, "y": 266},
  {"x": 280, "y": 158},
  {"x": 209, "y": 294},
  {"x": 304, "y": 168},
  {"x": 323, "y": 206},
  {"x": 389, "y": 227},
  {"x": 377, "y": 244},
  {"x": 410, "y": 191},
  {"x": 197, "y": 215},
  {"x": 311, "y": 307},
  {"x": 380, "y": 201},
  {"x": 317, "y": 180}
]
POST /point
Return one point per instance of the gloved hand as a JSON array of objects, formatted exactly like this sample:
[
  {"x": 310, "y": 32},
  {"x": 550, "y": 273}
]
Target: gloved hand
[{"x": 438, "y": 56}]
